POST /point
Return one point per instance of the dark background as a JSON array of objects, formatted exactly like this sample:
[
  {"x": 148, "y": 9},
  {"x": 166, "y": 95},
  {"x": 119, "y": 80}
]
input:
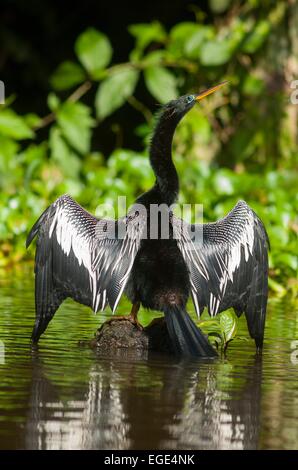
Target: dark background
[
  {"x": 36, "y": 36},
  {"x": 242, "y": 144}
]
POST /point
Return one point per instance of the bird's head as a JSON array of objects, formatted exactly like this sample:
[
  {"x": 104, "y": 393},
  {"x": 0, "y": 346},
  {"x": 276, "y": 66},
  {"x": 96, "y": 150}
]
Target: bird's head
[{"x": 179, "y": 107}]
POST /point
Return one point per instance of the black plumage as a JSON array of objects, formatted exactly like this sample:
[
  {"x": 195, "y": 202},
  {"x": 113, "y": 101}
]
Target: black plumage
[{"x": 94, "y": 261}]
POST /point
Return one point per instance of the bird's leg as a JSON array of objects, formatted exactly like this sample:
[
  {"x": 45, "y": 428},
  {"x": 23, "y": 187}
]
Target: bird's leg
[{"x": 132, "y": 317}]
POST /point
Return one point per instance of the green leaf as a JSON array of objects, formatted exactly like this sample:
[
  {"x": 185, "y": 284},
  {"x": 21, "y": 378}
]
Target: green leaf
[
  {"x": 14, "y": 126},
  {"x": 153, "y": 58},
  {"x": 114, "y": 90},
  {"x": 228, "y": 325},
  {"x": 94, "y": 51},
  {"x": 289, "y": 260},
  {"x": 62, "y": 154},
  {"x": 180, "y": 34},
  {"x": 216, "y": 339},
  {"x": 147, "y": 33},
  {"x": 216, "y": 52},
  {"x": 67, "y": 75},
  {"x": 253, "y": 86},
  {"x": 257, "y": 37},
  {"x": 200, "y": 125},
  {"x": 8, "y": 149},
  {"x": 161, "y": 83},
  {"x": 32, "y": 159},
  {"x": 195, "y": 42},
  {"x": 210, "y": 326},
  {"x": 75, "y": 123},
  {"x": 53, "y": 101},
  {"x": 277, "y": 288},
  {"x": 187, "y": 38},
  {"x": 32, "y": 120},
  {"x": 182, "y": 31}
]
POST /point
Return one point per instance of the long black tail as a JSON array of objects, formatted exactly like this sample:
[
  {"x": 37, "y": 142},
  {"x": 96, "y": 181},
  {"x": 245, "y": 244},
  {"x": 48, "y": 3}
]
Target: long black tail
[{"x": 187, "y": 338}]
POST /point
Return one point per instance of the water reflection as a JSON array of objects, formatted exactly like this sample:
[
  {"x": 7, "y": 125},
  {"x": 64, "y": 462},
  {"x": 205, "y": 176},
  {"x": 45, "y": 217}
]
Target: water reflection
[
  {"x": 116, "y": 408},
  {"x": 213, "y": 419},
  {"x": 93, "y": 417},
  {"x": 62, "y": 396}
]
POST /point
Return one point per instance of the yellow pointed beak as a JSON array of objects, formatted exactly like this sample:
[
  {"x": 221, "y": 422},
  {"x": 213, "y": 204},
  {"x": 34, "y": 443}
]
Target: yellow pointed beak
[{"x": 209, "y": 91}]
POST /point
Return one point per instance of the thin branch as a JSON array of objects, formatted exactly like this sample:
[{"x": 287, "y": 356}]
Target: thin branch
[
  {"x": 75, "y": 96},
  {"x": 79, "y": 92},
  {"x": 45, "y": 121},
  {"x": 136, "y": 104},
  {"x": 85, "y": 87}
]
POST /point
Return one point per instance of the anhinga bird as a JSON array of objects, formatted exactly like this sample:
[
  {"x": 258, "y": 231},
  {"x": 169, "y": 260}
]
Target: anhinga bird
[{"x": 85, "y": 258}]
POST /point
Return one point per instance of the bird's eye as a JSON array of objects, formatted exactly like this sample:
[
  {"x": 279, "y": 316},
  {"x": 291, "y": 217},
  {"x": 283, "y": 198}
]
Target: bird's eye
[{"x": 190, "y": 98}]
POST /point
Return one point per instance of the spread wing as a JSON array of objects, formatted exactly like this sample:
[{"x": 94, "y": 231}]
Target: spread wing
[
  {"x": 228, "y": 265},
  {"x": 81, "y": 257}
]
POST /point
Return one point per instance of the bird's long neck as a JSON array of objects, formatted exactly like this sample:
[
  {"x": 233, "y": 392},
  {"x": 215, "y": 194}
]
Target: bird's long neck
[{"x": 167, "y": 183}]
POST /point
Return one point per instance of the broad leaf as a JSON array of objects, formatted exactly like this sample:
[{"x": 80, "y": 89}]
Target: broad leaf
[
  {"x": 62, "y": 154},
  {"x": 114, "y": 90},
  {"x": 257, "y": 37},
  {"x": 228, "y": 325},
  {"x": 186, "y": 39},
  {"x": 195, "y": 42},
  {"x": 14, "y": 126},
  {"x": 154, "y": 58},
  {"x": 32, "y": 120},
  {"x": 75, "y": 123},
  {"x": 216, "y": 52},
  {"x": 180, "y": 34},
  {"x": 53, "y": 101},
  {"x": 145, "y": 33},
  {"x": 94, "y": 51},
  {"x": 161, "y": 83},
  {"x": 67, "y": 75}
]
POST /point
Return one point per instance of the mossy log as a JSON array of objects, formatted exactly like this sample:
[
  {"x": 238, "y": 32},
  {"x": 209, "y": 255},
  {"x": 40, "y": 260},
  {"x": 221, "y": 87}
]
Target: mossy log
[{"x": 118, "y": 334}]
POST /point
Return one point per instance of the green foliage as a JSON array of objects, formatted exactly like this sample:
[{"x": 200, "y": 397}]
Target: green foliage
[
  {"x": 94, "y": 51},
  {"x": 114, "y": 90},
  {"x": 238, "y": 144},
  {"x": 216, "y": 52},
  {"x": 75, "y": 123},
  {"x": 221, "y": 330},
  {"x": 256, "y": 37},
  {"x": 67, "y": 75},
  {"x": 161, "y": 83},
  {"x": 146, "y": 34},
  {"x": 11, "y": 125}
]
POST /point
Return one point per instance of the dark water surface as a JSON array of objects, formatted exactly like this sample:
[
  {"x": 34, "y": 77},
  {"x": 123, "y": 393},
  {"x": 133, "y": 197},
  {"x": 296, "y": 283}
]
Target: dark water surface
[{"x": 63, "y": 396}]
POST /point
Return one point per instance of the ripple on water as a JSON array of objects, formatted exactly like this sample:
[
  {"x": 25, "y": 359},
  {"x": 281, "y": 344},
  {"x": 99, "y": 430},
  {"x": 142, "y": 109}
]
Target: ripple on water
[{"x": 63, "y": 396}]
